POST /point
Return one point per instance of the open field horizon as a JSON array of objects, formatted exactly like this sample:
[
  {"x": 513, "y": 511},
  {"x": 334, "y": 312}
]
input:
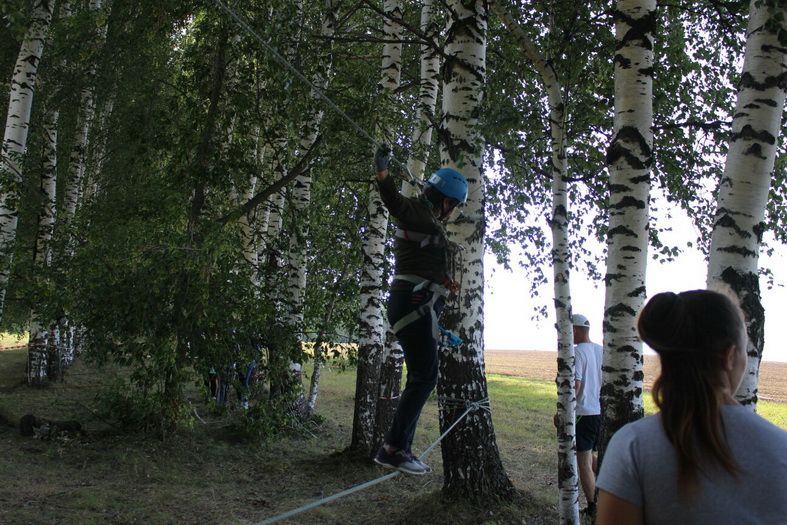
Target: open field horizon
[{"x": 541, "y": 365}]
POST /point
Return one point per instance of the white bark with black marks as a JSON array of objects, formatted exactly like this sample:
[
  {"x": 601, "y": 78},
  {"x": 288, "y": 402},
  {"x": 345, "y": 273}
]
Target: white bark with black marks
[
  {"x": 471, "y": 460},
  {"x": 392, "y": 49},
  {"x": 421, "y": 137},
  {"x": 78, "y": 159},
  {"x": 371, "y": 323},
  {"x": 300, "y": 192},
  {"x": 568, "y": 477},
  {"x": 20, "y": 103},
  {"x": 629, "y": 158},
  {"x": 739, "y": 222},
  {"x": 39, "y": 333}
]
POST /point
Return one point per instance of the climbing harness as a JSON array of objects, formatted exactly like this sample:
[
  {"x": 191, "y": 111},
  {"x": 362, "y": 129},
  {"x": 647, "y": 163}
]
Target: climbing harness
[
  {"x": 453, "y": 252},
  {"x": 481, "y": 404},
  {"x": 421, "y": 284},
  {"x": 423, "y": 239}
]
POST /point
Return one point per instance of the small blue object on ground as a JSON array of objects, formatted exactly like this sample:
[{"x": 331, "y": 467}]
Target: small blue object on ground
[{"x": 402, "y": 461}]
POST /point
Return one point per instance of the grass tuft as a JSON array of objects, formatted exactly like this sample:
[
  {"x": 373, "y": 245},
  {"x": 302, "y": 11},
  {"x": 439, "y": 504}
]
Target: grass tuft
[{"x": 209, "y": 475}]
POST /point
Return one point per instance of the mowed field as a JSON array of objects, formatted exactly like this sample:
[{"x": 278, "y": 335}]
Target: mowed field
[{"x": 542, "y": 366}]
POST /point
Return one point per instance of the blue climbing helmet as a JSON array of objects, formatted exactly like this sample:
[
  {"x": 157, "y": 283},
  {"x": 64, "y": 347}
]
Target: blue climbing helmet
[{"x": 450, "y": 183}]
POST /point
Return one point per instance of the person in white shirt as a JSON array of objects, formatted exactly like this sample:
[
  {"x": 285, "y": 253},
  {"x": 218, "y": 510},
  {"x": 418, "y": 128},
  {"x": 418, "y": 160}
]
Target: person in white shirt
[{"x": 587, "y": 375}]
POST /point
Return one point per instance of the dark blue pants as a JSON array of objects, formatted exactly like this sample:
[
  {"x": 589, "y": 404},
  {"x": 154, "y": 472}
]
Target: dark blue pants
[{"x": 420, "y": 356}]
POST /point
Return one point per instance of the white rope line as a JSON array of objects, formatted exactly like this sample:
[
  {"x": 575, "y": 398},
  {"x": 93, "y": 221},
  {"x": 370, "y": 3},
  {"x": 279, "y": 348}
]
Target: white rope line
[
  {"x": 300, "y": 76},
  {"x": 482, "y": 404}
]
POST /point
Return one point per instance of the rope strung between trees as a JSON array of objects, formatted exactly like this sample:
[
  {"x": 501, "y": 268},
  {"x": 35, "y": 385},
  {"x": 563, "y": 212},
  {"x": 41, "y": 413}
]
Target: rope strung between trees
[
  {"x": 278, "y": 57},
  {"x": 482, "y": 404}
]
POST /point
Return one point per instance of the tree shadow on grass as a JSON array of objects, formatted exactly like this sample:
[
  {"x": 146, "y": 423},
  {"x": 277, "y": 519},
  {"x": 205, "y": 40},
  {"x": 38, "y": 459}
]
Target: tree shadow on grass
[{"x": 436, "y": 509}]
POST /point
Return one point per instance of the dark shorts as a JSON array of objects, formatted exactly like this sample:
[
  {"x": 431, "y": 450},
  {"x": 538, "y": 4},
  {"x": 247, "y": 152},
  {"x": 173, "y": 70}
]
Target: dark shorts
[{"x": 588, "y": 429}]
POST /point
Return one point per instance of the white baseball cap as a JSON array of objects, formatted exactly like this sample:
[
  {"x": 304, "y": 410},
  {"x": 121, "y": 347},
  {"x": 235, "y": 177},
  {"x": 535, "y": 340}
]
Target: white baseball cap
[{"x": 580, "y": 320}]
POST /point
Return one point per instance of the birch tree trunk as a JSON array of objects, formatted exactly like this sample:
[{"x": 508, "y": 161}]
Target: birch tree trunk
[
  {"x": 71, "y": 335},
  {"x": 421, "y": 137},
  {"x": 272, "y": 293},
  {"x": 77, "y": 161},
  {"x": 274, "y": 204},
  {"x": 739, "y": 222},
  {"x": 390, "y": 387},
  {"x": 248, "y": 221},
  {"x": 471, "y": 460},
  {"x": 20, "y": 102},
  {"x": 39, "y": 341},
  {"x": 92, "y": 186},
  {"x": 393, "y": 356},
  {"x": 371, "y": 326},
  {"x": 300, "y": 196},
  {"x": 629, "y": 158},
  {"x": 568, "y": 478},
  {"x": 568, "y": 475},
  {"x": 262, "y": 215},
  {"x": 428, "y": 90},
  {"x": 392, "y": 50},
  {"x": 319, "y": 352}
]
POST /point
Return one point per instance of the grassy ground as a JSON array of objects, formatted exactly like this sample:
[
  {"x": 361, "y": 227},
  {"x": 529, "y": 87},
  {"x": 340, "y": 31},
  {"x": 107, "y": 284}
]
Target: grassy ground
[{"x": 206, "y": 475}]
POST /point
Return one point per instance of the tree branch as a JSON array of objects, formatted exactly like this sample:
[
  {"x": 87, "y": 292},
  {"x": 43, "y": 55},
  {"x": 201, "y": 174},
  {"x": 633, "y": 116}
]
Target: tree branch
[{"x": 303, "y": 164}]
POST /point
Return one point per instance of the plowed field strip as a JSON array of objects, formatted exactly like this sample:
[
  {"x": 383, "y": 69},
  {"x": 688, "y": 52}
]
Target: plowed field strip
[{"x": 542, "y": 365}]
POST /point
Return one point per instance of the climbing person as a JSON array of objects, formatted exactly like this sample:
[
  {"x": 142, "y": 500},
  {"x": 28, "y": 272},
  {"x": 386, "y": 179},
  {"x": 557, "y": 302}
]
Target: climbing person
[
  {"x": 704, "y": 458},
  {"x": 421, "y": 284},
  {"x": 587, "y": 384}
]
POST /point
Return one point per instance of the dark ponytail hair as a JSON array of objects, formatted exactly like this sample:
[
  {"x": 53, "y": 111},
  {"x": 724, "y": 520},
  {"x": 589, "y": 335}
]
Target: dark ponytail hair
[{"x": 691, "y": 332}]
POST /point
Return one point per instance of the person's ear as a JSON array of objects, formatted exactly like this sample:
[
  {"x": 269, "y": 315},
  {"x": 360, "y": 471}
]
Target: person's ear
[
  {"x": 730, "y": 354},
  {"x": 445, "y": 207}
]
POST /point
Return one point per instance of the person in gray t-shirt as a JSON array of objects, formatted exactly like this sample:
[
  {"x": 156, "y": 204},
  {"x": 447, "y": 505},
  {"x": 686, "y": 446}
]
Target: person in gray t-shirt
[{"x": 704, "y": 458}]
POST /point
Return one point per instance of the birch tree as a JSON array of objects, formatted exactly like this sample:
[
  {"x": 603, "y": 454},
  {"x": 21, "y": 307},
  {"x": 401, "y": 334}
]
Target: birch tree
[
  {"x": 322, "y": 338},
  {"x": 568, "y": 479},
  {"x": 247, "y": 221},
  {"x": 78, "y": 157},
  {"x": 739, "y": 221},
  {"x": 371, "y": 336},
  {"x": 39, "y": 343},
  {"x": 44, "y": 356},
  {"x": 629, "y": 159},
  {"x": 429, "y": 85},
  {"x": 421, "y": 140},
  {"x": 300, "y": 193},
  {"x": 20, "y": 103},
  {"x": 471, "y": 459}
]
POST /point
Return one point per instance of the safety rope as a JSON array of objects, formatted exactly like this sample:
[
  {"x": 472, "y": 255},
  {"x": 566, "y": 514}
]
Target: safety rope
[
  {"x": 278, "y": 57},
  {"x": 482, "y": 404}
]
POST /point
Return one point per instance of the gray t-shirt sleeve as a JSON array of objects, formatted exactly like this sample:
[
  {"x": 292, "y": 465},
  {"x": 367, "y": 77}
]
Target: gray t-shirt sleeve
[{"x": 619, "y": 471}]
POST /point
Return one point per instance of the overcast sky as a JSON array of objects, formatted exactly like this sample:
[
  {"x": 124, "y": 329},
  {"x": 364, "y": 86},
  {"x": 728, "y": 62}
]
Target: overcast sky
[{"x": 509, "y": 308}]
